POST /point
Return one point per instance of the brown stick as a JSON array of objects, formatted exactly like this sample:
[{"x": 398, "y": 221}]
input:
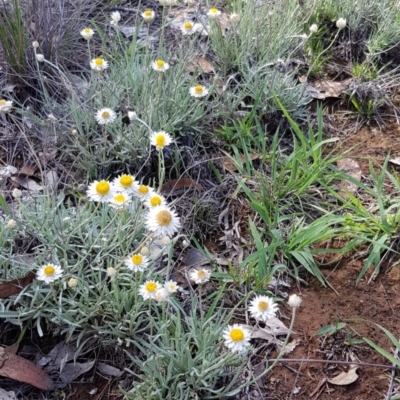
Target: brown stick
[{"x": 360, "y": 364}]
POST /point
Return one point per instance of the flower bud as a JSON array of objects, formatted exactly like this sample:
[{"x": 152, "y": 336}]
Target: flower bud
[
  {"x": 341, "y": 23},
  {"x": 294, "y": 301}
]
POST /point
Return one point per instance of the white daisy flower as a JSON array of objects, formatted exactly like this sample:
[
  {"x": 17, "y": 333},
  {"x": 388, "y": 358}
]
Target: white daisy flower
[
  {"x": 263, "y": 308},
  {"x": 200, "y": 276},
  {"x": 124, "y": 183},
  {"x": 155, "y": 200},
  {"x": 161, "y": 295},
  {"x": 149, "y": 289},
  {"x": 100, "y": 191},
  {"x": 162, "y": 221},
  {"x": 49, "y": 273},
  {"x": 213, "y": 13},
  {"x": 160, "y": 66},
  {"x": 171, "y": 286},
  {"x": 120, "y": 201},
  {"x": 5, "y": 105},
  {"x": 143, "y": 192},
  {"x": 105, "y": 116},
  {"x": 137, "y": 262},
  {"x": 87, "y": 33},
  {"x": 99, "y": 64},
  {"x": 160, "y": 139},
  {"x": 237, "y": 338},
  {"x": 198, "y": 91},
  {"x": 148, "y": 16},
  {"x": 187, "y": 28},
  {"x": 115, "y": 18}
]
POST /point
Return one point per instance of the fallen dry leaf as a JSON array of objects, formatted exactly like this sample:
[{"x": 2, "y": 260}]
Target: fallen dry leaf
[
  {"x": 27, "y": 183},
  {"x": 345, "y": 378},
  {"x": 72, "y": 370},
  {"x": 200, "y": 63},
  {"x": 179, "y": 184},
  {"x": 323, "y": 88},
  {"x": 15, "y": 286},
  {"x": 22, "y": 370},
  {"x": 352, "y": 168},
  {"x": 229, "y": 164},
  {"x": 109, "y": 370},
  {"x": 26, "y": 170}
]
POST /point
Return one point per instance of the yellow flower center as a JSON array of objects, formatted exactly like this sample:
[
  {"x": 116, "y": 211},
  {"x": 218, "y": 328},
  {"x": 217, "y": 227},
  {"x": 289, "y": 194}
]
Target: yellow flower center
[
  {"x": 263, "y": 305},
  {"x": 49, "y": 270},
  {"x": 237, "y": 335},
  {"x": 102, "y": 188},
  {"x": 151, "y": 287},
  {"x": 105, "y": 115},
  {"x": 87, "y": 31},
  {"x": 201, "y": 274},
  {"x": 143, "y": 189},
  {"x": 160, "y": 63},
  {"x": 155, "y": 201},
  {"x": 126, "y": 180},
  {"x": 172, "y": 287},
  {"x": 160, "y": 140},
  {"x": 137, "y": 259},
  {"x": 198, "y": 89},
  {"x": 119, "y": 198},
  {"x": 99, "y": 62},
  {"x": 148, "y": 13},
  {"x": 213, "y": 10},
  {"x": 2, "y": 102},
  {"x": 188, "y": 25},
  {"x": 164, "y": 218}
]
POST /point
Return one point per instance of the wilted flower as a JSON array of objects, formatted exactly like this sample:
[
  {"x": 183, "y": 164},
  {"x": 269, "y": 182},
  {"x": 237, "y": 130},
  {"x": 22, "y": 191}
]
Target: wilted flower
[
  {"x": 49, "y": 273},
  {"x": 162, "y": 221},
  {"x": 198, "y": 91},
  {"x": 11, "y": 223},
  {"x": 149, "y": 289},
  {"x": 313, "y": 28},
  {"x": 16, "y": 193},
  {"x": 167, "y": 3},
  {"x": 263, "y": 308},
  {"x": 148, "y": 16},
  {"x": 237, "y": 338},
  {"x": 145, "y": 251},
  {"x": 111, "y": 272},
  {"x": 161, "y": 295},
  {"x": 234, "y": 18},
  {"x": 160, "y": 139},
  {"x": 160, "y": 66},
  {"x": 72, "y": 282},
  {"x": 294, "y": 301},
  {"x": 100, "y": 191},
  {"x": 39, "y": 57},
  {"x": 5, "y": 105},
  {"x": 115, "y": 18},
  {"x": 200, "y": 276},
  {"x": 137, "y": 262},
  {"x": 213, "y": 13},
  {"x": 132, "y": 115},
  {"x": 166, "y": 240},
  {"x": 99, "y": 64},
  {"x": 341, "y": 23},
  {"x": 105, "y": 116},
  {"x": 87, "y": 33}
]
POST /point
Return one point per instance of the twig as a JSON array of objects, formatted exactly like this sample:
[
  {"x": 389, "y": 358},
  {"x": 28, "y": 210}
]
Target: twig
[
  {"x": 360, "y": 364},
  {"x": 389, "y": 393}
]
